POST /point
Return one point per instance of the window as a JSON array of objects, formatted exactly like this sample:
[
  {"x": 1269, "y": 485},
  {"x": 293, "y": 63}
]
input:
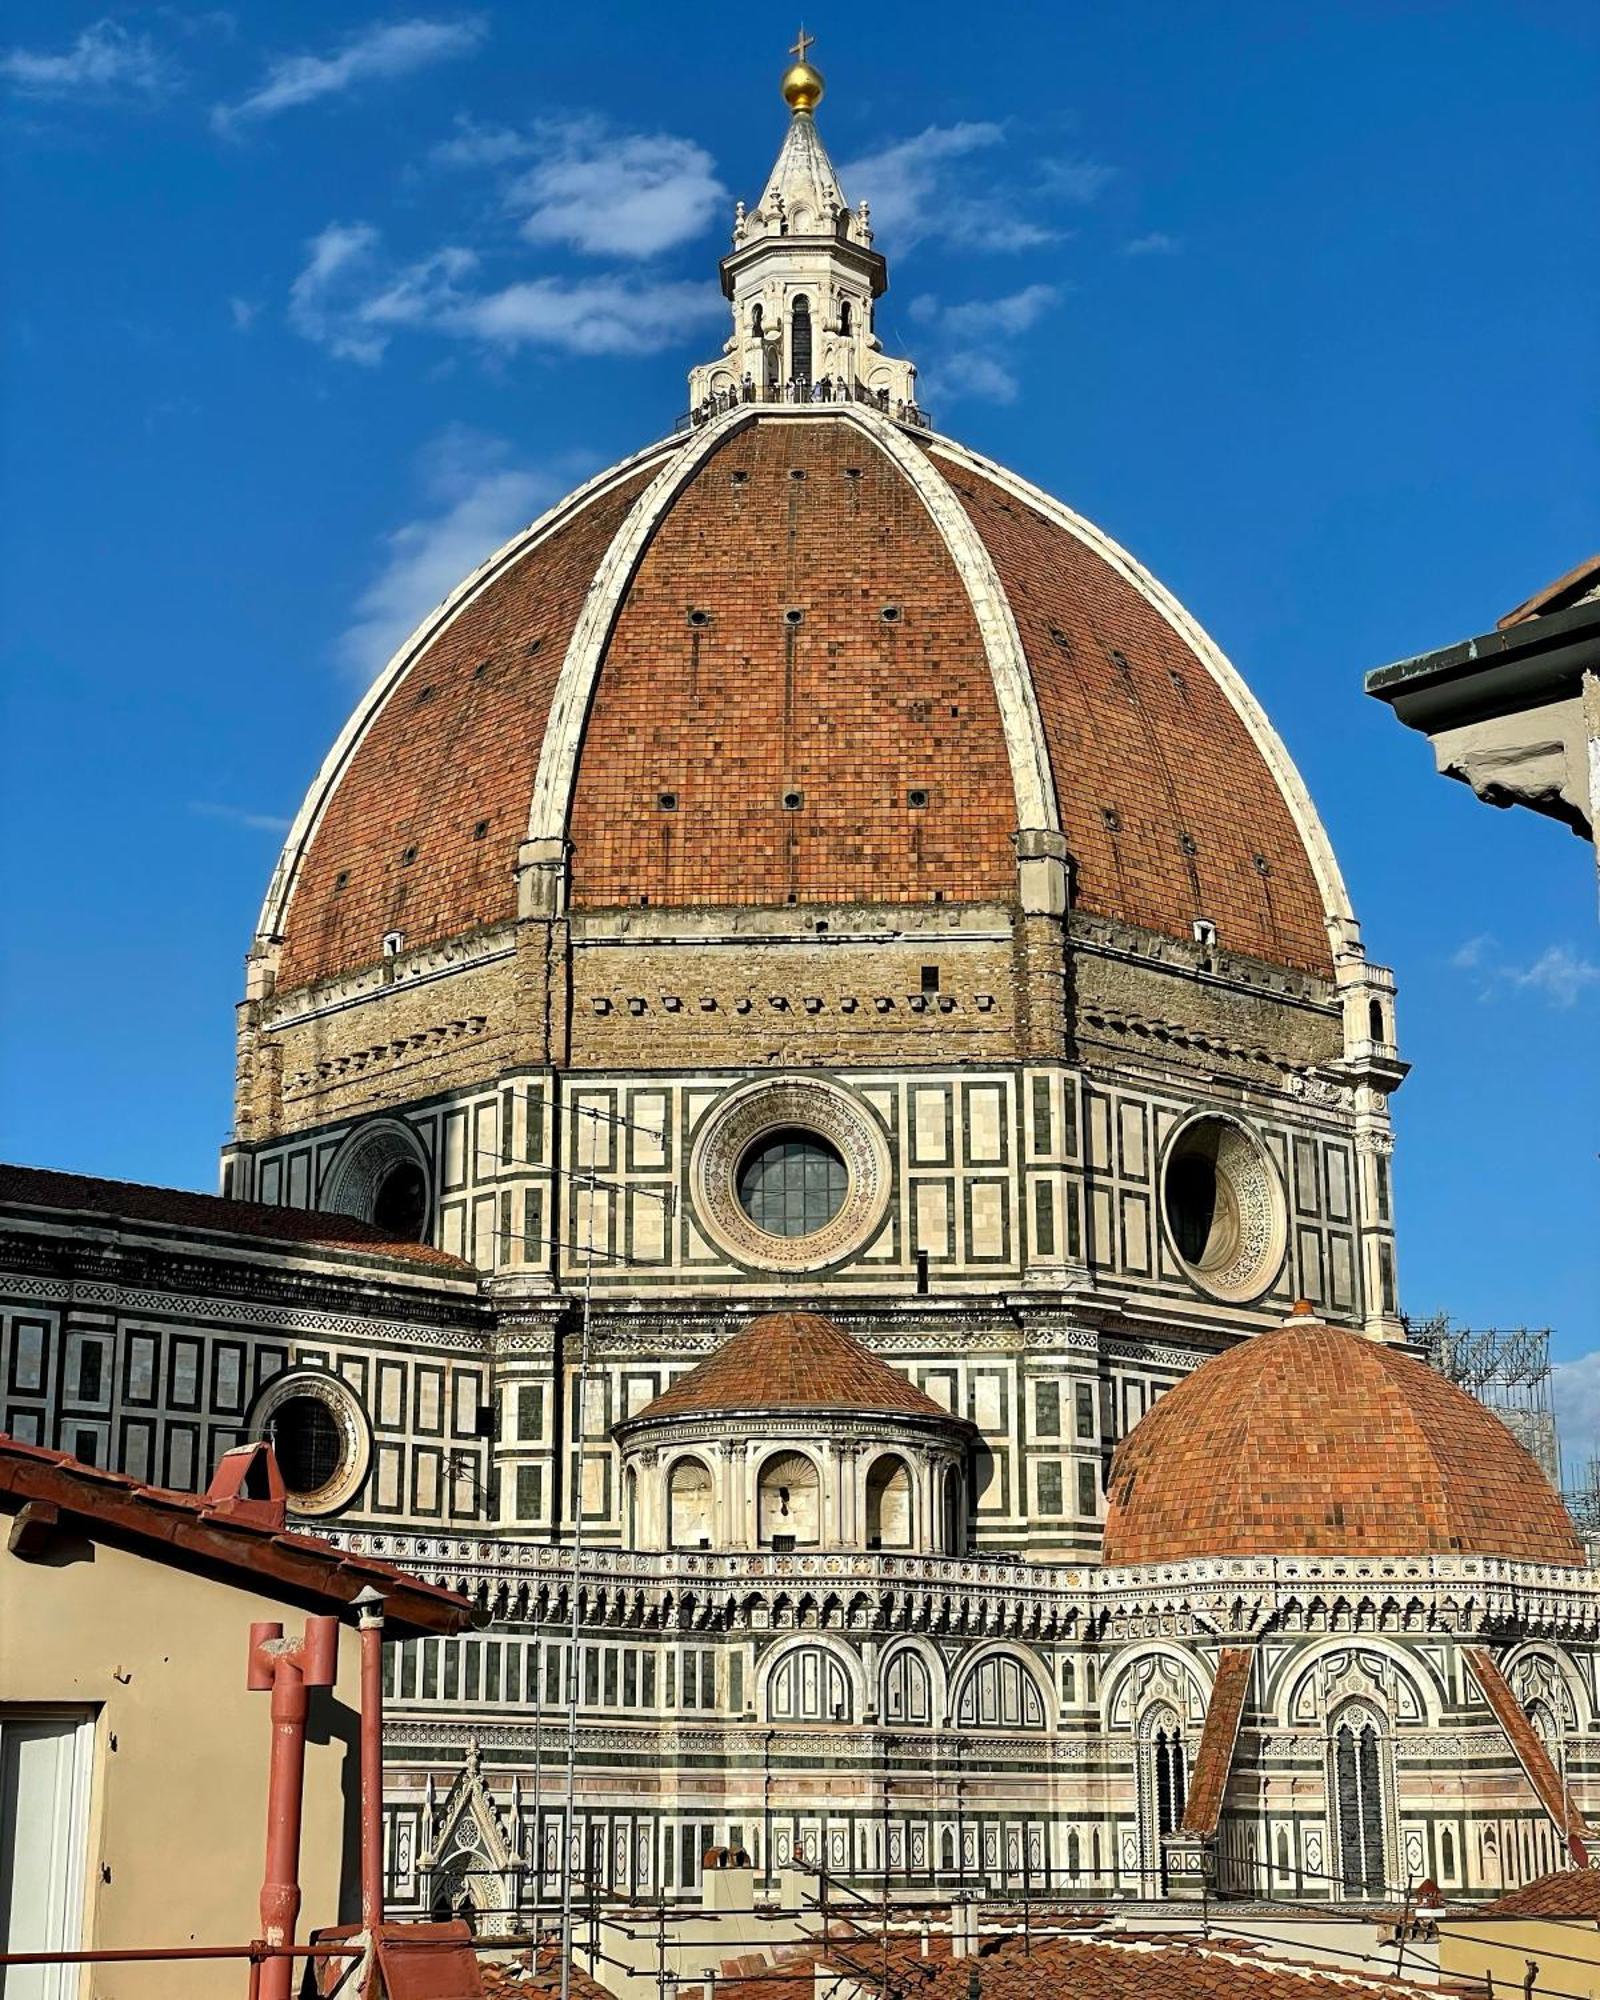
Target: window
[
  {"x": 1088, "y": 1489},
  {"x": 844, "y": 315},
  {"x": 800, "y": 339},
  {"x": 1083, "y": 1403},
  {"x": 1047, "y": 1409},
  {"x": 529, "y": 1497},
  {"x": 307, "y": 1442},
  {"x": 400, "y": 1207},
  {"x": 1358, "y": 1801},
  {"x": 792, "y": 1183},
  {"x": 1163, "y": 1786},
  {"x": 1048, "y": 1479}
]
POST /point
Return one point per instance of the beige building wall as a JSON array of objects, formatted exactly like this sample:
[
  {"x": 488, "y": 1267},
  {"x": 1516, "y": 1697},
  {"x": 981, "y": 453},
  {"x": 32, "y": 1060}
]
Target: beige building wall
[
  {"x": 1566, "y": 1954},
  {"x": 178, "y": 1791}
]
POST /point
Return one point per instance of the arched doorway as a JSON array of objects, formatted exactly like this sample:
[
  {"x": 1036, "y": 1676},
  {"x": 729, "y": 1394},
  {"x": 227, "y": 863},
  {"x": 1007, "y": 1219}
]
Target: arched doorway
[
  {"x": 787, "y": 1501},
  {"x": 890, "y": 1503}
]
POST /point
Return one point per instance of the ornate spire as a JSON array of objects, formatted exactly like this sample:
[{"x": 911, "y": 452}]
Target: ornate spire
[{"x": 802, "y": 277}]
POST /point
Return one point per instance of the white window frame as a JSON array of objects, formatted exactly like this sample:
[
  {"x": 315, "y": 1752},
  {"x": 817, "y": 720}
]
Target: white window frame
[{"x": 65, "y": 1929}]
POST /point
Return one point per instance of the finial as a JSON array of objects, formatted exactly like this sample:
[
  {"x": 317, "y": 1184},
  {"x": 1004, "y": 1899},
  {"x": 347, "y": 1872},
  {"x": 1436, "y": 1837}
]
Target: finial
[{"x": 802, "y": 85}]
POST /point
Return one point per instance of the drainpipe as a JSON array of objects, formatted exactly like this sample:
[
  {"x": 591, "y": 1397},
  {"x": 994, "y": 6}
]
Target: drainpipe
[
  {"x": 369, "y": 1623},
  {"x": 287, "y": 1668}
]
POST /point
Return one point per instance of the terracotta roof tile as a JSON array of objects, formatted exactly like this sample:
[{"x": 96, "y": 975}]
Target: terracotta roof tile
[
  {"x": 131, "y": 1201},
  {"x": 1311, "y": 1440},
  {"x": 1214, "y": 1758},
  {"x": 793, "y": 1361},
  {"x": 1574, "y": 1892},
  {"x": 187, "y": 1527},
  {"x": 1531, "y": 1754}
]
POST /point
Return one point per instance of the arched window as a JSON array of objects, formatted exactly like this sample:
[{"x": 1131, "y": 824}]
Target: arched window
[
  {"x": 1163, "y": 1785},
  {"x": 1000, "y": 1693},
  {"x": 1358, "y": 1799},
  {"x": 808, "y": 1685},
  {"x": 844, "y": 315},
  {"x": 757, "y": 318},
  {"x": 1074, "y": 1855},
  {"x": 1375, "y": 1021},
  {"x": 1447, "y": 1854},
  {"x": 1541, "y": 1715},
  {"x": 889, "y": 1504},
  {"x": 1069, "y": 1682},
  {"x": 907, "y": 1690},
  {"x": 787, "y": 1500},
  {"x": 630, "y": 1508},
  {"x": 800, "y": 339},
  {"x": 689, "y": 1505},
  {"x": 1282, "y": 1851}
]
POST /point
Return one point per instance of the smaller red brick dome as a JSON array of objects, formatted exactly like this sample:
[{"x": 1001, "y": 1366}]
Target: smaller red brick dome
[
  {"x": 793, "y": 1361},
  {"x": 1311, "y": 1441}
]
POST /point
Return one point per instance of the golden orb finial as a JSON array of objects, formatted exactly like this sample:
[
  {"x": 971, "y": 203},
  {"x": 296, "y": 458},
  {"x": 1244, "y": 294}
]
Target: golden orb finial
[{"x": 802, "y": 85}]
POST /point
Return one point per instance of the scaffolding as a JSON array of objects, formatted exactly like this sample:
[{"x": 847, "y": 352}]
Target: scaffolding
[{"x": 1508, "y": 1370}]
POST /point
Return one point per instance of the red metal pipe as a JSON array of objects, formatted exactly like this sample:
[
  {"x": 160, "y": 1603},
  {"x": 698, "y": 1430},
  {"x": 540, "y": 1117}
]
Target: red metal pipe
[
  {"x": 289, "y": 1667},
  {"x": 369, "y": 1608}
]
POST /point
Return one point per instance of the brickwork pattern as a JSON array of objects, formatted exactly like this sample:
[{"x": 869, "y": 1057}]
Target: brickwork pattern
[
  {"x": 1150, "y": 758},
  {"x": 849, "y": 709},
  {"x": 793, "y": 1361},
  {"x": 454, "y": 748},
  {"x": 1313, "y": 1441}
]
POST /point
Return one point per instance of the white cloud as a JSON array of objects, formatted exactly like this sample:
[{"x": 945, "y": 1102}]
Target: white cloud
[
  {"x": 479, "y": 500},
  {"x": 105, "y": 62},
  {"x": 254, "y": 822},
  {"x": 616, "y": 194},
  {"x": 243, "y": 313},
  {"x": 1558, "y": 975},
  {"x": 477, "y": 145},
  {"x": 971, "y": 354},
  {"x": 386, "y": 50},
  {"x": 349, "y": 300},
  {"x": 1157, "y": 243}
]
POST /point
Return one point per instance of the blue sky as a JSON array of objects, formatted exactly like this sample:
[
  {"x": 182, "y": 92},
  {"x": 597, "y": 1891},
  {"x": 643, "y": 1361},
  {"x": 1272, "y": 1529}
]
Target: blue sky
[{"x": 308, "y": 307}]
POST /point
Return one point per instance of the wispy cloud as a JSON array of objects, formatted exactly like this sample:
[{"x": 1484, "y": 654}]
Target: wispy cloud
[
  {"x": 351, "y": 300},
  {"x": 957, "y": 184},
  {"x": 254, "y": 822},
  {"x": 478, "y": 497},
  {"x": 379, "y": 53},
  {"x": 243, "y": 313},
  {"x": 1558, "y": 975},
  {"x": 971, "y": 353},
  {"x": 1155, "y": 243},
  {"x": 105, "y": 63}
]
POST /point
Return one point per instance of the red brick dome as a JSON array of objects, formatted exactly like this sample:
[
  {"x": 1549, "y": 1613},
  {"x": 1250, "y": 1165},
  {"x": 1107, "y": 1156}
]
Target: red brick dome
[
  {"x": 803, "y": 657},
  {"x": 1311, "y": 1441},
  {"x": 793, "y": 1361}
]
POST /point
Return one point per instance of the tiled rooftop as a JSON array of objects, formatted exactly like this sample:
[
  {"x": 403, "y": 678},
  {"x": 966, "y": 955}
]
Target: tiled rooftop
[
  {"x": 116, "y": 1202},
  {"x": 793, "y": 1361},
  {"x": 1311, "y": 1441}
]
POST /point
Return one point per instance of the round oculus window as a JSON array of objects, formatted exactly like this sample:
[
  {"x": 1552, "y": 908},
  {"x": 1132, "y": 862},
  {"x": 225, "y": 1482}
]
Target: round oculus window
[
  {"x": 790, "y": 1175},
  {"x": 308, "y": 1443},
  {"x": 319, "y": 1436},
  {"x": 792, "y": 1183},
  {"x": 1223, "y": 1208},
  {"x": 400, "y": 1206}
]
